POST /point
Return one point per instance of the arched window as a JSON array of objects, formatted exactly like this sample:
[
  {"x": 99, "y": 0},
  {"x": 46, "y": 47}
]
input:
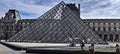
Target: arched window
[
  {"x": 116, "y": 37},
  {"x": 111, "y": 37},
  {"x": 105, "y": 37}
]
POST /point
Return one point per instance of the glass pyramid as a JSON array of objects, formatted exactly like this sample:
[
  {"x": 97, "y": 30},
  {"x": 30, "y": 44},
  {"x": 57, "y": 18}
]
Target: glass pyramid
[{"x": 58, "y": 25}]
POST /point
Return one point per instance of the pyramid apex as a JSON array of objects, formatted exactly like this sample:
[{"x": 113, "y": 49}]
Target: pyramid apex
[{"x": 62, "y": 2}]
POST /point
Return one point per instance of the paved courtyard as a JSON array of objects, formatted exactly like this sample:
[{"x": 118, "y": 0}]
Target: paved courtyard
[
  {"x": 6, "y": 50},
  {"x": 99, "y": 48}
]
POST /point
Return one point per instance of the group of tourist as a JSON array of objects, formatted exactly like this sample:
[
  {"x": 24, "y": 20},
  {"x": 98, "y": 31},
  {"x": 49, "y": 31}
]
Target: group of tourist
[{"x": 91, "y": 48}]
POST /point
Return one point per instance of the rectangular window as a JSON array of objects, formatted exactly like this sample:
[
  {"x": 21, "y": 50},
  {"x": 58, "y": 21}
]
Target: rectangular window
[
  {"x": 109, "y": 28},
  {"x": 104, "y": 28},
  {"x": 115, "y": 29},
  {"x": 98, "y": 28},
  {"x": 93, "y": 28}
]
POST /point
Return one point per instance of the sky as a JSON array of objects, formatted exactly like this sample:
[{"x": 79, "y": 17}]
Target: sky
[{"x": 90, "y": 9}]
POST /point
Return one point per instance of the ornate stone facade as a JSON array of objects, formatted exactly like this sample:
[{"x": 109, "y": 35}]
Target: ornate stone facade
[
  {"x": 108, "y": 29},
  {"x": 12, "y": 23}
]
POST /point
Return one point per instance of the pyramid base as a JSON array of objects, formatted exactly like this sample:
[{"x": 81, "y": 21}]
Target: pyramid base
[{"x": 55, "y": 51}]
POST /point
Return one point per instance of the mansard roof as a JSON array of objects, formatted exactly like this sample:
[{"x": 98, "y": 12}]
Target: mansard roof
[
  {"x": 102, "y": 20},
  {"x": 26, "y": 20}
]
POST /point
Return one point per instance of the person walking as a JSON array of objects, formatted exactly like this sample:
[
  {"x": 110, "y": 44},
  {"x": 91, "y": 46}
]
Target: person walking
[
  {"x": 91, "y": 49},
  {"x": 117, "y": 49},
  {"x": 82, "y": 48}
]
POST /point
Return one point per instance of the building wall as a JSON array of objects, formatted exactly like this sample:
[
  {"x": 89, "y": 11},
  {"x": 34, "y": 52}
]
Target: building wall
[
  {"x": 107, "y": 29},
  {"x": 12, "y": 24},
  {"x": 9, "y": 29}
]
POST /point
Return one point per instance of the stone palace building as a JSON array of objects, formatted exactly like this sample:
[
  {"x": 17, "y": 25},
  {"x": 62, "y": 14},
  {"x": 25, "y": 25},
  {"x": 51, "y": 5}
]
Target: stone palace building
[{"x": 12, "y": 24}]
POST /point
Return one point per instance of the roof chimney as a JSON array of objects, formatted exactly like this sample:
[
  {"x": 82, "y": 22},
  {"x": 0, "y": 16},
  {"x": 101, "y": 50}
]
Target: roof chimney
[{"x": 79, "y": 8}]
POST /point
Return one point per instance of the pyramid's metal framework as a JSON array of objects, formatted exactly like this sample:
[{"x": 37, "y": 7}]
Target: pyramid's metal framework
[{"x": 58, "y": 25}]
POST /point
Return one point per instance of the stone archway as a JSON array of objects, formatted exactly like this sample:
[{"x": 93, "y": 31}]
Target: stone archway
[
  {"x": 105, "y": 37},
  {"x": 111, "y": 37},
  {"x": 116, "y": 38}
]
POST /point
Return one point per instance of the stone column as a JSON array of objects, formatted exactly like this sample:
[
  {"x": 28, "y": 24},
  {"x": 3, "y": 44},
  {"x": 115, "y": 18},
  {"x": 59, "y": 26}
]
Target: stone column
[
  {"x": 107, "y": 37},
  {"x": 102, "y": 36},
  {"x": 113, "y": 38},
  {"x": 119, "y": 38}
]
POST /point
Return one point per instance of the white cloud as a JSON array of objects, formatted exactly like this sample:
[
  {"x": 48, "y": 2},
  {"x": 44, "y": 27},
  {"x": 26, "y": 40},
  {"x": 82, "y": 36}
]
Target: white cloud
[
  {"x": 89, "y": 8},
  {"x": 111, "y": 11},
  {"x": 23, "y": 7},
  {"x": 115, "y": 1}
]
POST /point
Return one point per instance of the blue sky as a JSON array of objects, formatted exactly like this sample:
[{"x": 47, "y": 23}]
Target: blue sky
[{"x": 29, "y": 9}]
